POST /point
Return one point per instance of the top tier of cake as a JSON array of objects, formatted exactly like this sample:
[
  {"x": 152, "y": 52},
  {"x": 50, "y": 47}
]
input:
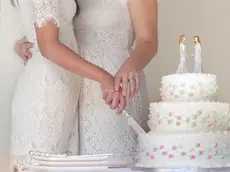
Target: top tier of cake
[{"x": 188, "y": 87}]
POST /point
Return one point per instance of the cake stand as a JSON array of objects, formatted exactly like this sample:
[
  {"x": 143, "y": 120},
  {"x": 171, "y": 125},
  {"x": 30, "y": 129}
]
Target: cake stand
[{"x": 182, "y": 169}]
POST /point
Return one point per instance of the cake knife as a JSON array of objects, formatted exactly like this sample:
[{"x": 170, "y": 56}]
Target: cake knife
[{"x": 136, "y": 127}]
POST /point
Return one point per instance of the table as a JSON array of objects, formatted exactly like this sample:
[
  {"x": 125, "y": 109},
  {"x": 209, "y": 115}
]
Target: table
[
  {"x": 162, "y": 170},
  {"x": 169, "y": 170}
]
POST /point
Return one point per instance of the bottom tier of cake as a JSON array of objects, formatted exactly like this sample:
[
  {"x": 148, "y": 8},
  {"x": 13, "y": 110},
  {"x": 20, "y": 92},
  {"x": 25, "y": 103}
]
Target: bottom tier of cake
[{"x": 190, "y": 150}]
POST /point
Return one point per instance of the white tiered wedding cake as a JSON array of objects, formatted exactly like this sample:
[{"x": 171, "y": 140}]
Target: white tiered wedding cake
[{"x": 188, "y": 129}]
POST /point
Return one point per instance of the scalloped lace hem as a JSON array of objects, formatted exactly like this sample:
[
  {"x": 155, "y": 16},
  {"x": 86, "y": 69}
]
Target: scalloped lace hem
[
  {"x": 19, "y": 162},
  {"x": 39, "y": 23}
]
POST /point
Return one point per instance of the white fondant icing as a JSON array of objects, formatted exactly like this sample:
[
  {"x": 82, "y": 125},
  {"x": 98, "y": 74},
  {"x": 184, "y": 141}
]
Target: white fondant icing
[
  {"x": 189, "y": 86},
  {"x": 188, "y": 129},
  {"x": 184, "y": 150},
  {"x": 189, "y": 116}
]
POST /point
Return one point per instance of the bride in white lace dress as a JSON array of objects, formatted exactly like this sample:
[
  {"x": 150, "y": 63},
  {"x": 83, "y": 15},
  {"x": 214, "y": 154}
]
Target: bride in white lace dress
[
  {"x": 105, "y": 35},
  {"x": 46, "y": 95}
]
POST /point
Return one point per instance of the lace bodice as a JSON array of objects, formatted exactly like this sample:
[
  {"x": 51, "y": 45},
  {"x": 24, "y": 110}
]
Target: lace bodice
[
  {"x": 38, "y": 12},
  {"x": 104, "y": 24}
]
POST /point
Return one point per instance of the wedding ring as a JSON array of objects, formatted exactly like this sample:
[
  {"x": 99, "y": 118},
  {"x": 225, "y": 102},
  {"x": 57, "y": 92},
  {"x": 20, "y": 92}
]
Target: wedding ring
[{"x": 130, "y": 79}]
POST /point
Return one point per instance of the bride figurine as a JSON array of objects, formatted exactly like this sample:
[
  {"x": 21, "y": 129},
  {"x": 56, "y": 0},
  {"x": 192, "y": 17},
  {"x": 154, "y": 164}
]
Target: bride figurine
[
  {"x": 182, "y": 68},
  {"x": 197, "y": 67}
]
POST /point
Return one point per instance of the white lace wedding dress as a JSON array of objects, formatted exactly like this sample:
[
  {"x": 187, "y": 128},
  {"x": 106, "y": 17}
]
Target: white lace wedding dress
[
  {"x": 105, "y": 36},
  {"x": 46, "y": 95}
]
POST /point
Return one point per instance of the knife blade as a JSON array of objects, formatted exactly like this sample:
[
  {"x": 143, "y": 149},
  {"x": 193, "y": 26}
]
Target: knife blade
[{"x": 136, "y": 127}]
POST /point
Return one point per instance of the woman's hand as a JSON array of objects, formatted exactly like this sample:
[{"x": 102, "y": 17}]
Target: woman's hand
[
  {"x": 128, "y": 78},
  {"x": 119, "y": 102},
  {"x": 114, "y": 99},
  {"x": 22, "y": 49}
]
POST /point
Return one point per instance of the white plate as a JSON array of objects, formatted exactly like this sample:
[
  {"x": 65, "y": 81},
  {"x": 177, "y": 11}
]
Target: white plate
[
  {"x": 70, "y": 164},
  {"x": 120, "y": 164},
  {"x": 67, "y": 169},
  {"x": 83, "y": 163},
  {"x": 99, "y": 157}
]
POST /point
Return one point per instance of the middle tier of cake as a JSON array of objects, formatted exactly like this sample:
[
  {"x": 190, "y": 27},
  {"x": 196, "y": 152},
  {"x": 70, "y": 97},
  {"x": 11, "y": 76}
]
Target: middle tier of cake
[{"x": 189, "y": 116}]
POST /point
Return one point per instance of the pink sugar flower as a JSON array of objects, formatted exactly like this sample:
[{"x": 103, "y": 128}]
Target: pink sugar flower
[
  {"x": 201, "y": 152},
  {"x": 147, "y": 153},
  {"x": 138, "y": 158},
  {"x": 194, "y": 124},
  {"x": 174, "y": 148},
  {"x": 183, "y": 153},
  {"x": 171, "y": 156},
  {"x": 138, "y": 149},
  {"x": 164, "y": 153},
  {"x": 152, "y": 157},
  {"x": 155, "y": 149},
  {"x": 178, "y": 123},
  {"x": 192, "y": 157},
  {"x": 169, "y": 121},
  {"x": 198, "y": 145},
  {"x": 209, "y": 156},
  {"x": 161, "y": 147},
  {"x": 210, "y": 125},
  {"x": 179, "y": 118}
]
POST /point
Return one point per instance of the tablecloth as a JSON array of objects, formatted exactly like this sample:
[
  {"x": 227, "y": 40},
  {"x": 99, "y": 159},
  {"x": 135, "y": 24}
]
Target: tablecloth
[{"x": 162, "y": 170}]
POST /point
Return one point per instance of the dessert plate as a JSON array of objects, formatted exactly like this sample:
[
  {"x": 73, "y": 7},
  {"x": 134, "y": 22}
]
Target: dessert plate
[
  {"x": 98, "y": 157},
  {"x": 69, "y": 169},
  {"x": 69, "y": 164},
  {"x": 114, "y": 164}
]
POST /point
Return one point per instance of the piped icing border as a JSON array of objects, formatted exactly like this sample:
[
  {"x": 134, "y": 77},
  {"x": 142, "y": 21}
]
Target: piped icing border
[
  {"x": 171, "y": 76},
  {"x": 163, "y": 119},
  {"x": 192, "y": 102}
]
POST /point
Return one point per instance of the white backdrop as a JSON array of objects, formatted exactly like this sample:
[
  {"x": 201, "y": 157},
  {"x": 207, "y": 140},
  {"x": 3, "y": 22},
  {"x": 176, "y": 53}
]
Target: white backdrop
[
  {"x": 10, "y": 67},
  {"x": 207, "y": 18}
]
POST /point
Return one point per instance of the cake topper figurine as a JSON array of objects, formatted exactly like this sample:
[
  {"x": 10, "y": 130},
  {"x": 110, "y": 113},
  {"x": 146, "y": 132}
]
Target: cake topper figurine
[
  {"x": 182, "y": 68},
  {"x": 197, "y": 66}
]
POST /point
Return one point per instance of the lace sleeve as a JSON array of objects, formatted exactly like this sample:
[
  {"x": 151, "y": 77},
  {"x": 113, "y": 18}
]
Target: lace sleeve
[{"x": 45, "y": 10}]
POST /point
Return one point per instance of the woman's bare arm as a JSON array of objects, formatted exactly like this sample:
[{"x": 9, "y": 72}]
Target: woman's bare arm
[
  {"x": 144, "y": 15},
  {"x": 55, "y": 51},
  {"x": 46, "y": 15}
]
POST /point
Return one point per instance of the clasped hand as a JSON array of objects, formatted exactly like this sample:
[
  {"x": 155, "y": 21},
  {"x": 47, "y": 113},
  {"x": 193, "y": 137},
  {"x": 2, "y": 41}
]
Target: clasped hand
[{"x": 125, "y": 84}]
